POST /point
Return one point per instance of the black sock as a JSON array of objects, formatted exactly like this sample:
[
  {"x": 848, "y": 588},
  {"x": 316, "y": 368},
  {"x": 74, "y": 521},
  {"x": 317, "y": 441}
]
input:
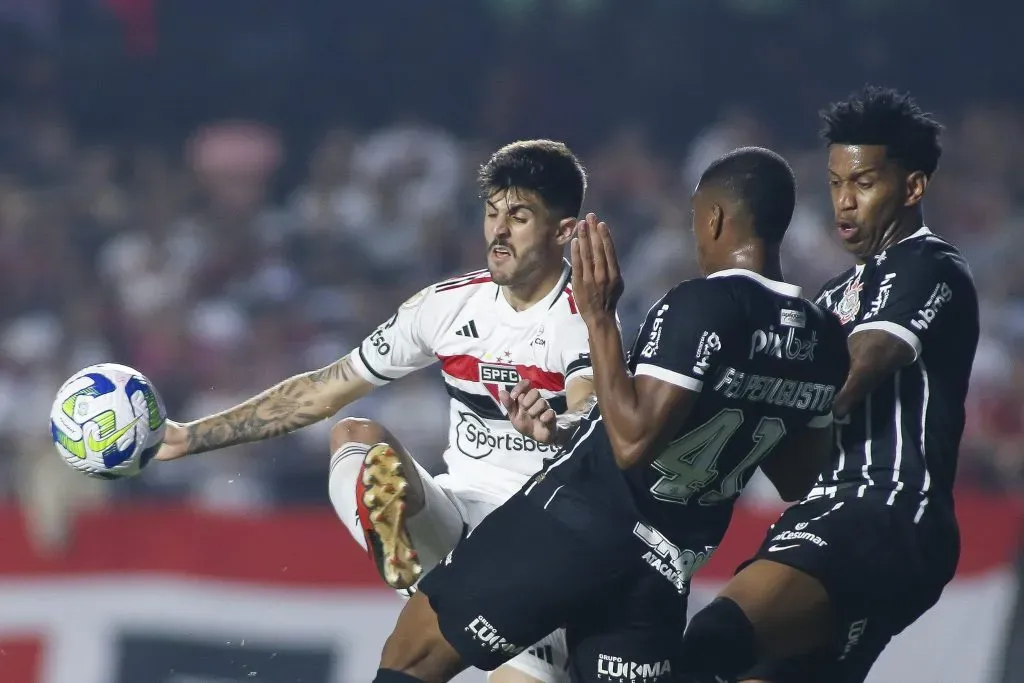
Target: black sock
[
  {"x": 392, "y": 676},
  {"x": 719, "y": 641}
]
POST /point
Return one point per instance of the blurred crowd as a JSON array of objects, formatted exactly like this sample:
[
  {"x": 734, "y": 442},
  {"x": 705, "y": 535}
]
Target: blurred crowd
[
  {"x": 183, "y": 265},
  {"x": 255, "y": 250}
]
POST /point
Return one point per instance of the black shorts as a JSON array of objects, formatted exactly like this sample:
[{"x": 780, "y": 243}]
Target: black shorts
[
  {"x": 883, "y": 565},
  {"x": 549, "y": 559}
]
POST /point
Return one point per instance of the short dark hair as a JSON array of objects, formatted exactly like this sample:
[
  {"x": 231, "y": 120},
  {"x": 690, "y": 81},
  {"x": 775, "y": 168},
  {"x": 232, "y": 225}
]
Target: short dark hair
[
  {"x": 545, "y": 167},
  {"x": 884, "y": 116},
  {"x": 762, "y": 182}
]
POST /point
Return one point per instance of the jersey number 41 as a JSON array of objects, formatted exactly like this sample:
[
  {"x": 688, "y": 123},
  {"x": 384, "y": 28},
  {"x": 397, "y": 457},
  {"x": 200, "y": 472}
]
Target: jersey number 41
[{"x": 690, "y": 463}]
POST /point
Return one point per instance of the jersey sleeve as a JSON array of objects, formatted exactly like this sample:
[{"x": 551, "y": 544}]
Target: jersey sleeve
[
  {"x": 916, "y": 299},
  {"x": 401, "y": 344},
  {"x": 682, "y": 338},
  {"x": 575, "y": 350}
]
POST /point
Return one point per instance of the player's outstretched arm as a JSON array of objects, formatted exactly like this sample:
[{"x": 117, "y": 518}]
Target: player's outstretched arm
[
  {"x": 398, "y": 346},
  {"x": 637, "y": 409},
  {"x": 294, "y": 403}
]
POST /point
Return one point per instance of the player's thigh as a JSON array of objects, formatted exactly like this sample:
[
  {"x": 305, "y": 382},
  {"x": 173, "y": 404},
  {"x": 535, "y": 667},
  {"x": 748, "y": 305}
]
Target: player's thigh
[
  {"x": 836, "y": 542},
  {"x": 874, "y": 560},
  {"x": 543, "y": 662},
  {"x": 789, "y": 608},
  {"x": 546, "y": 661},
  {"x": 881, "y": 567},
  {"x": 518, "y": 577},
  {"x": 630, "y": 632},
  {"x": 626, "y": 655}
]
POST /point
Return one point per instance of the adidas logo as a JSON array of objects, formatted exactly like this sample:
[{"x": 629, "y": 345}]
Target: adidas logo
[
  {"x": 468, "y": 330},
  {"x": 543, "y": 653}
]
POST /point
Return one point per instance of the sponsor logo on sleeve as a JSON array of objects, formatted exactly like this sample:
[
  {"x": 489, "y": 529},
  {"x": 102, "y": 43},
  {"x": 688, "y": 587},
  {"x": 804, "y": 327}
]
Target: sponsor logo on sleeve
[{"x": 940, "y": 296}]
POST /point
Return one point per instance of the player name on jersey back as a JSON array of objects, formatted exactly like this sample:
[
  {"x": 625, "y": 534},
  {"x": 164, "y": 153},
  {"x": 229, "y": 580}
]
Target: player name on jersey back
[
  {"x": 484, "y": 346},
  {"x": 763, "y": 361},
  {"x": 775, "y": 391}
]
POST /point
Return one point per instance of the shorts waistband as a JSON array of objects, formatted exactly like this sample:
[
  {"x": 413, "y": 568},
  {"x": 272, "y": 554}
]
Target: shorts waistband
[
  {"x": 861, "y": 490},
  {"x": 831, "y": 491}
]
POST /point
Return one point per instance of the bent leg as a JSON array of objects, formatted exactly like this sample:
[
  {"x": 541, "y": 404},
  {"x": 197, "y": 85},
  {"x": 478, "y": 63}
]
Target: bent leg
[
  {"x": 767, "y": 612},
  {"x": 515, "y": 579},
  {"x": 776, "y": 607},
  {"x": 413, "y": 524},
  {"x": 630, "y": 632},
  {"x": 357, "y": 434},
  {"x": 417, "y": 648},
  {"x": 788, "y": 608}
]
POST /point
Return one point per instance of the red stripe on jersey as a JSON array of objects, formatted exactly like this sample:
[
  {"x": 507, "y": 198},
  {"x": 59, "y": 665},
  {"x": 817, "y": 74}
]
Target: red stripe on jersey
[
  {"x": 461, "y": 367},
  {"x": 449, "y": 286},
  {"x": 467, "y": 368},
  {"x": 463, "y": 276},
  {"x": 572, "y": 302}
]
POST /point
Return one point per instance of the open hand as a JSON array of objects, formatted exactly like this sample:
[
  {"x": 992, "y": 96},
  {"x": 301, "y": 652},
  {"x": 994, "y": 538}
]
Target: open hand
[
  {"x": 596, "y": 281},
  {"x": 529, "y": 412}
]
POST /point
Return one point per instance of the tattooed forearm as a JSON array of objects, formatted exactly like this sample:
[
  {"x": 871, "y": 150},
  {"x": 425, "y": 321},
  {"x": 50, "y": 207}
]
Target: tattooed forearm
[
  {"x": 340, "y": 371},
  {"x": 294, "y": 403}
]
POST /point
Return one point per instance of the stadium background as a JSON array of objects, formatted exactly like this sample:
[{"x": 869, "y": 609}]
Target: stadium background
[{"x": 225, "y": 192}]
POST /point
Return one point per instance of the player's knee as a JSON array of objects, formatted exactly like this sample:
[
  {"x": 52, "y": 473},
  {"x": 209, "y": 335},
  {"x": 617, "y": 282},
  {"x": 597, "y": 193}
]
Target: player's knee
[
  {"x": 357, "y": 430},
  {"x": 417, "y": 648},
  {"x": 719, "y": 641}
]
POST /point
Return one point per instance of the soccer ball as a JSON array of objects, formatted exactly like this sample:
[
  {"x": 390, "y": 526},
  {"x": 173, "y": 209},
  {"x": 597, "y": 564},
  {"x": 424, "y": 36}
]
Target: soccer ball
[{"x": 107, "y": 421}]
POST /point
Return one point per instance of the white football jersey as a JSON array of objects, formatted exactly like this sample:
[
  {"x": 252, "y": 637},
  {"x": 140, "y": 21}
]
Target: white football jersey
[{"x": 484, "y": 345}]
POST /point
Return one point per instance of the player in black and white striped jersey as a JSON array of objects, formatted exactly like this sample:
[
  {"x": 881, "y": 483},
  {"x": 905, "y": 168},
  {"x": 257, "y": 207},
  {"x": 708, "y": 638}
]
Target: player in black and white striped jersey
[
  {"x": 873, "y": 546},
  {"x": 904, "y": 436}
]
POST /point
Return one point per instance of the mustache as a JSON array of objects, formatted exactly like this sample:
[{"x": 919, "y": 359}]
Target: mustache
[{"x": 504, "y": 245}]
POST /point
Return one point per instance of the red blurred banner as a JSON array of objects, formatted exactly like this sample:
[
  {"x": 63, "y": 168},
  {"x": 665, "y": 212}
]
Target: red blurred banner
[
  {"x": 167, "y": 594},
  {"x": 310, "y": 547}
]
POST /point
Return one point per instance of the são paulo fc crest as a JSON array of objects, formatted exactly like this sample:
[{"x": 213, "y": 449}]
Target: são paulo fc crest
[
  {"x": 849, "y": 305},
  {"x": 496, "y": 376}
]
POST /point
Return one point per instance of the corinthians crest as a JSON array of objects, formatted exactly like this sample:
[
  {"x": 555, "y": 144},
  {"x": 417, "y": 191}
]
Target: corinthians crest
[{"x": 849, "y": 306}]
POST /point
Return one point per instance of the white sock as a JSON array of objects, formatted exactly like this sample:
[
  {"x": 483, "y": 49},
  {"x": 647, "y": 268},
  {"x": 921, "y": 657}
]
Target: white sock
[{"x": 344, "y": 474}]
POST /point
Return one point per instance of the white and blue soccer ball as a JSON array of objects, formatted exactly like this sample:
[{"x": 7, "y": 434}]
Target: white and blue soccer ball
[{"x": 107, "y": 421}]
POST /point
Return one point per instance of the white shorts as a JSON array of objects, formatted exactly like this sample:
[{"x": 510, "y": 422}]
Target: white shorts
[{"x": 434, "y": 532}]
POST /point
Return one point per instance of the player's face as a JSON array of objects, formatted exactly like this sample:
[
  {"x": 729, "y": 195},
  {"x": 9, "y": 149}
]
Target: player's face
[
  {"x": 869, "y": 194},
  {"x": 522, "y": 237}
]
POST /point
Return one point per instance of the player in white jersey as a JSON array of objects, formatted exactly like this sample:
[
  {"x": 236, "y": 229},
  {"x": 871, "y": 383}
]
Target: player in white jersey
[{"x": 489, "y": 329}]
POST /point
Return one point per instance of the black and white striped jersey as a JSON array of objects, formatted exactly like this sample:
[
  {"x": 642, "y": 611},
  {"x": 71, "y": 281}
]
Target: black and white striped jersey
[
  {"x": 904, "y": 437},
  {"x": 765, "y": 363}
]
